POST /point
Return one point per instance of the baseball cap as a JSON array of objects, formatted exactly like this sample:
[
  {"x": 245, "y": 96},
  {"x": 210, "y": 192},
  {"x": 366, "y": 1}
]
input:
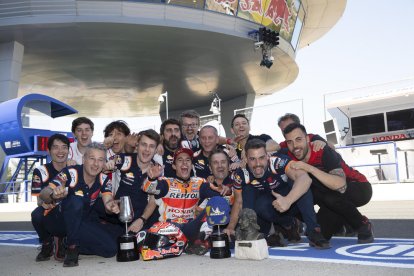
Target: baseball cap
[
  {"x": 218, "y": 211},
  {"x": 182, "y": 150}
]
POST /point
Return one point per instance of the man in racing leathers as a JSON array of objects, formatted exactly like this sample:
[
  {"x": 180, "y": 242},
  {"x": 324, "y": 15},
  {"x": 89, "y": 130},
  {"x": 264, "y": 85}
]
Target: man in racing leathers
[{"x": 178, "y": 197}]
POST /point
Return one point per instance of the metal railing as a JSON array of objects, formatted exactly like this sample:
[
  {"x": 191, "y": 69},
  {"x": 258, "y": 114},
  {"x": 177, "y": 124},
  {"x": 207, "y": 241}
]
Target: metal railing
[{"x": 15, "y": 191}]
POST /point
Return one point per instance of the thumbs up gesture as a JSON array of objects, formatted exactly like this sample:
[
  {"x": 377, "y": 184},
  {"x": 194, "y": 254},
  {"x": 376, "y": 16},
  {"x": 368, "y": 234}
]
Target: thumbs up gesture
[{"x": 280, "y": 203}]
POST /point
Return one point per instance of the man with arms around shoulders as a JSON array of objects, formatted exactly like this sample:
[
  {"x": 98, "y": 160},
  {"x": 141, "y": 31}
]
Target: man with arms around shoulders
[{"x": 337, "y": 188}]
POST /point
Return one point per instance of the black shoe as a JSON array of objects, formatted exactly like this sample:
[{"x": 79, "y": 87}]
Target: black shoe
[
  {"x": 71, "y": 257},
  {"x": 345, "y": 231},
  {"x": 365, "y": 234},
  {"x": 198, "y": 247},
  {"x": 59, "y": 249},
  {"x": 276, "y": 240},
  {"x": 317, "y": 240},
  {"x": 46, "y": 252},
  {"x": 291, "y": 233}
]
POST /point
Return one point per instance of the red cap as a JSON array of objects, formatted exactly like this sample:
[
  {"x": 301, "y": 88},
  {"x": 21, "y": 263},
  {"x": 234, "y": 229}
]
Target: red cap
[{"x": 183, "y": 150}]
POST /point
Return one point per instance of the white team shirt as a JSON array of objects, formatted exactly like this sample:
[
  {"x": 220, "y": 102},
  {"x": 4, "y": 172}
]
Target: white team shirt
[{"x": 75, "y": 154}]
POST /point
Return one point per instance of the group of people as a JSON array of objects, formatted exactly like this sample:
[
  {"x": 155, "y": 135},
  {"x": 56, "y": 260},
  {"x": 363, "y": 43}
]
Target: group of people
[{"x": 169, "y": 177}]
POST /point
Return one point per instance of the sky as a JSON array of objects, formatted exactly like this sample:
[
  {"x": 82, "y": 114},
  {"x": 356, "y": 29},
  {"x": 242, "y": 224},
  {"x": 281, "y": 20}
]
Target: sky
[{"x": 371, "y": 44}]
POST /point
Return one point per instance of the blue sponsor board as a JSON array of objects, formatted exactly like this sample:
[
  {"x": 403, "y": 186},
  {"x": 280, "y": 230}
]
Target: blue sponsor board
[
  {"x": 382, "y": 252},
  {"x": 19, "y": 238}
]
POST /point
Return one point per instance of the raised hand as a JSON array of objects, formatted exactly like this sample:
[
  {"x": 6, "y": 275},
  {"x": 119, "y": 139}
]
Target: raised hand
[{"x": 280, "y": 203}]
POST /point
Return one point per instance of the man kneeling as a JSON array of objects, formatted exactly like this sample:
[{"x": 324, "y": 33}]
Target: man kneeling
[{"x": 74, "y": 190}]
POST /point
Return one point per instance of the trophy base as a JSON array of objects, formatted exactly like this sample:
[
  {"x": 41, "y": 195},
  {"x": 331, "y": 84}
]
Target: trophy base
[
  {"x": 127, "y": 249},
  {"x": 220, "y": 248}
]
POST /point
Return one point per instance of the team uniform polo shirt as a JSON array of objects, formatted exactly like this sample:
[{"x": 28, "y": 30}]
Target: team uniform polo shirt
[
  {"x": 274, "y": 178},
  {"x": 132, "y": 179},
  {"x": 201, "y": 163},
  {"x": 168, "y": 158},
  {"x": 72, "y": 177},
  {"x": 41, "y": 177}
]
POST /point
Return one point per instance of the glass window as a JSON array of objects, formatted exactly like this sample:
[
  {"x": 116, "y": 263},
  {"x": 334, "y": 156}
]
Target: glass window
[
  {"x": 368, "y": 124},
  {"x": 401, "y": 119}
]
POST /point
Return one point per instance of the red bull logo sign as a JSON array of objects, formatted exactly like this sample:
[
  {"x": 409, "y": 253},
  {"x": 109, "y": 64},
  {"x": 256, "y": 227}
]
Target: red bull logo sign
[{"x": 275, "y": 14}]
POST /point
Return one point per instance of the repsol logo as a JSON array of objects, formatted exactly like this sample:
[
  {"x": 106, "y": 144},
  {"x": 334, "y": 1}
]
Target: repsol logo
[{"x": 179, "y": 195}]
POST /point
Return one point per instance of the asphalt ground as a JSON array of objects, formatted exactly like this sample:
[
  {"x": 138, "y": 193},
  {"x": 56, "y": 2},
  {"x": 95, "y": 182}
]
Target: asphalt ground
[{"x": 391, "y": 219}]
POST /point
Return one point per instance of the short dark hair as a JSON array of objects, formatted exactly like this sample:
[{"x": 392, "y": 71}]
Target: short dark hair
[
  {"x": 254, "y": 144},
  {"x": 287, "y": 116},
  {"x": 171, "y": 121},
  {"x": 59, "y": 137},
  {"x": 152, "y": 134},
  {"x": 190, "y": 114},
  {"x": 218, "y": 151},
  {"x": 120, "y": 125},
  {"x": 239, "y": 116},
  {"x": 81, "y": 120},
  {"x": 294, "y": 126}
]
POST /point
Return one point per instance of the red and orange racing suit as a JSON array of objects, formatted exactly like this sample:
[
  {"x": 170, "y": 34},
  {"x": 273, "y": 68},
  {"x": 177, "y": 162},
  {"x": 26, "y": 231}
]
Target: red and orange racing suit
[{"x": 177, "y": 199}]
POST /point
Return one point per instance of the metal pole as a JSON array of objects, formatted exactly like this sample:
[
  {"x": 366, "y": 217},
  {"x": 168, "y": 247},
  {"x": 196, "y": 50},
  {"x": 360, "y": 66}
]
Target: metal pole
[
  {"x": 380, "y": 169},
  {"x": 397, "y": 170},
  {"x": 166, "y": 103},
  {"x": 406, "y": 165}
]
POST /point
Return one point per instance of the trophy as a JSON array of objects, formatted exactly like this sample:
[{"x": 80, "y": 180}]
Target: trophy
[
  {"x": 127, "y": 244},
  {"x": 220, "y": 247},
  {"x": 218, "y": 210}
]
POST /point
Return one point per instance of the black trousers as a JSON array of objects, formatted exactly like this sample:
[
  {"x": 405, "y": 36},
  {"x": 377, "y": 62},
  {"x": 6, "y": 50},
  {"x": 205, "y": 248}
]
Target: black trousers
[{"x": 336, "y": 209}]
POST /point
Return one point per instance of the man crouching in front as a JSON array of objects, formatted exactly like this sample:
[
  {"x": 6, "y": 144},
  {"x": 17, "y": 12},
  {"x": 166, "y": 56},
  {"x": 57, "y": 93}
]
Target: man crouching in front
[{"x": 74, "y": 190}]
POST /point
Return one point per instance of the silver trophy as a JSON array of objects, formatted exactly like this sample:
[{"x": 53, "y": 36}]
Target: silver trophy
[{"x": 127, "y": 244}]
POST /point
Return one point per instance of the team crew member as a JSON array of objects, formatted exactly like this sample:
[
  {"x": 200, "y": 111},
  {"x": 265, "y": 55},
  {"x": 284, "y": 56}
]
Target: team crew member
[
  {"x": 58, "y": 149},
  {"x": 266, "y": 188},
  {"x": 116, "y": 134},
  {"x": 219, "y": 163},
  {"x": 82, "y": 129},
  {"x": 133, "y": 168},
  {"x": 178, "y": 197},
  {"x": 170, "y": 131},
  {"x": 337, "y": 188},
  {"x": 240, "y": 127},
  {"x": 76, "y": 189},
  {"x": 190, "y": 123},
  {"x": 209, "y": 142},
  {"x": 317, "y": 141}
]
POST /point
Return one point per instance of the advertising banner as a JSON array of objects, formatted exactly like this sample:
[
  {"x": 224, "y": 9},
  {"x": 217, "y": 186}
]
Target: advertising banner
[{"x": 278, "y": 15}]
